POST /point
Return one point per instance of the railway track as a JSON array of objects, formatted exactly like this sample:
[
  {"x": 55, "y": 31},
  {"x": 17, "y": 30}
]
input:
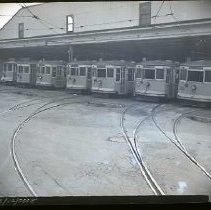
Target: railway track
[
  {"x": 177, "y": 142},
  {"x": 19, "y": 105},
  {"x": 137, "y": 155},
  {"x": 20, "y": 127}
]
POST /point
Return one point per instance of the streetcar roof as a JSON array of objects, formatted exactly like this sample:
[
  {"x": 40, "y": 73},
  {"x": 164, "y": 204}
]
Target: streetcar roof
[
  {"x": 5, "y": 62},
  {"x": 158, "y": 63},
  {"x": 199, "y": 63},
  {"x": 114, "y": 63},
  {"x": 53, "y": 62},
  {"x": 77, "y": 63},
  {"x": 27, "y": 62}
]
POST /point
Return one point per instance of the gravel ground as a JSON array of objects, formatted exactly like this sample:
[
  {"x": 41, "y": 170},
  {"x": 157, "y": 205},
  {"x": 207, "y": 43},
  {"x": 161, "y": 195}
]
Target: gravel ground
[{"x": 78, "y": 148}]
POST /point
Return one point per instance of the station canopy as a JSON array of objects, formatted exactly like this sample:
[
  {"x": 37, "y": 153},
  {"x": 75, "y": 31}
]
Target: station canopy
[{"x": 167, "y": 49}]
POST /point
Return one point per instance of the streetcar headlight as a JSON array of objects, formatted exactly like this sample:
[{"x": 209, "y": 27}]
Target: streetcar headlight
[
  {"x": 193, "y": 87},
  {"x": 147, "y": 84}
]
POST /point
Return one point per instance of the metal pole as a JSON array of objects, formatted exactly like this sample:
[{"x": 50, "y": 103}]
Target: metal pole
[{"x": 70, "y": 53}]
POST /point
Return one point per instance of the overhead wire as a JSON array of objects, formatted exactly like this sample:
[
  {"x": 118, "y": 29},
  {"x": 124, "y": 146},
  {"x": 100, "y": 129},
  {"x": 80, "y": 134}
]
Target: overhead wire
[
  {"x": 37, "y": 17},
  {"x": 95, "y": 24},
  {"x": 175, "y": 18},
  {"x": 113, "y": 22}
]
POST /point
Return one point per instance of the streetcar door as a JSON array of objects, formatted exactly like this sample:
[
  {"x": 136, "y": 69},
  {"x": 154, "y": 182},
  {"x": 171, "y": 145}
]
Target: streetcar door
[
  {"x": 169, "y": 84},
  {"x": 122, "y": 80},
  {"x": 14, "y": 66},
  {"x": 175, "y": 81},
  {"x": 33, "y": 71},
  {"x": 89, "y": 77},
  {"x": 58, "y": 75}
]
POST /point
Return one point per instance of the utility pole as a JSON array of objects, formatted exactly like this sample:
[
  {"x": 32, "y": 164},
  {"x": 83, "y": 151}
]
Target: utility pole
[{"x": 70, "y": 53}]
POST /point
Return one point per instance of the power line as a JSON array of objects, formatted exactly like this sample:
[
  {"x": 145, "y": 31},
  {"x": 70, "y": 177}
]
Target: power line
[
  {"x": 175, "y": 18},
  {"x": 36, "y": 17},
  {"x": 96, "y": 24},
  {"x": 56, "y": 27},
  {"x": 159, "y": 9},
  {"x": 15, "y": 15}
]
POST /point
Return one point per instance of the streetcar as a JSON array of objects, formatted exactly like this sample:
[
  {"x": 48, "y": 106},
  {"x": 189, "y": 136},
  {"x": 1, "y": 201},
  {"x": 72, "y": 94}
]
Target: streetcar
[
  {"x": 156, "y": 80},
  {"x": 51, "y": 74},
  {"x": 113, "y": 77},
  {"x": 79, "y": 76},
  {"x": 1, "y": 68},
  {"x": 26, "y": 73},
  {"x": 195, "y": 81},
  {"x": 9, "y": 73}
]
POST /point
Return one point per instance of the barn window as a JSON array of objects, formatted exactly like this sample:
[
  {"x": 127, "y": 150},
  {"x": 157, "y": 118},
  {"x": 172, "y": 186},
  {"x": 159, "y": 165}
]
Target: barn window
[
  {"x": 110, "y": 72},
  {"x": 82, "y": 71},
  {"x": 183, "y": 74},
  {"x": 195, "y": 76},
  {"x": 138, "y": 73},
  {"x": 21, "y": 30},
  {"x": 149, "y": 73},
  {"x": 101, "y": 72},
  {"x": 70, "y": 23},
  {"x": 207, "y": 76},
  {"x": 159, "y": 73},
  {"x": 145, "y": 14}
]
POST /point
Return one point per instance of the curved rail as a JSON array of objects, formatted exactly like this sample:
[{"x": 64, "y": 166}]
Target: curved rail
[
  {"x": 146, "y": 173},
  {"x": 12, "y": 145},
  {"x": 182, "y": 146},
  {"x": 18, "y": 106},
  {"x": 178, "y": 143}
]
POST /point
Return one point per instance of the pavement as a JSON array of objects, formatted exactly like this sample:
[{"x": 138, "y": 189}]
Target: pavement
[{"x": 78, "y": 147}]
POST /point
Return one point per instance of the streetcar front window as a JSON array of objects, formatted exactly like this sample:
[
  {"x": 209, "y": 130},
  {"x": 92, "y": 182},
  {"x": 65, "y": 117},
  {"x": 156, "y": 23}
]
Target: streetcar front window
[
  {"x": 48, "y": 69},
  {"x": 149, "y": 73},
  {"x": 20, "y": 69},
  {"x": 5, "y": 67},
  {"x": 159, "y": 73},
  {"x": 183, "y": 74},
  {"x": 130, "y": 74},
  {"x": 73, "y": 71},
  {"x": 138, "y": 72},
  {"x": 207, "y": 76},
  {"x": 110, "y": 72},
  {"x": 9, "y": 67},
  {"x": 101, "y": 73},
  {"x": 195, "y": 76},
  {"x": 89, "y": 74},
  {"x": 118, "y": 74},
  {"x": 59, "y": 71},
  {"x": 26, "y": 69},
  {"x": 54, "y": 72},
  {"x": 43, "y": 70},
  {"x": 82, "y": 71}
]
